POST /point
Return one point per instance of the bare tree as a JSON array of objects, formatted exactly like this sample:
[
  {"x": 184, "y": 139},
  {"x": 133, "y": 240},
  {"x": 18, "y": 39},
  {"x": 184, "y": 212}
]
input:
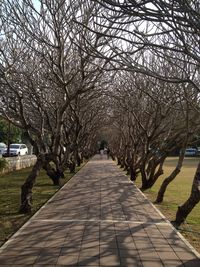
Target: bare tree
[
  {"x": 151, "y": 119},
  {"x": 194, "y": 198},
  {"x": 166, "y": 31},
  {"x": 43, "y": 70}
]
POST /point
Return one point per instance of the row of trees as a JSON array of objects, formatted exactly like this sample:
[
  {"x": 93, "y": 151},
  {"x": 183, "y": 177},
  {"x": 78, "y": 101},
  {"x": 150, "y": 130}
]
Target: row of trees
[
  {"x": 157, "y": 43},
  {"x": 50, "y": 87},
  {"x": 151, "y": 119},
  {"x": 68, "y": 68}
]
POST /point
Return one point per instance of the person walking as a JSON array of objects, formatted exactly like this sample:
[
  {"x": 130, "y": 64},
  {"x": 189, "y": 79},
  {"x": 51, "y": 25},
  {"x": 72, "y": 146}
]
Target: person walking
[
  {"x": 101, "y": 153},
  {"x": 108, "y": 153}
]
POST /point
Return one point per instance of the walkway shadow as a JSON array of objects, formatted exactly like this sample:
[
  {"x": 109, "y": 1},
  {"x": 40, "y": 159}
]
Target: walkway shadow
[{"x": 191, "y": 263}]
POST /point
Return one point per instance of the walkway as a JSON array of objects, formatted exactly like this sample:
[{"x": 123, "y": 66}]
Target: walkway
[{"x": 98, "y": 219}]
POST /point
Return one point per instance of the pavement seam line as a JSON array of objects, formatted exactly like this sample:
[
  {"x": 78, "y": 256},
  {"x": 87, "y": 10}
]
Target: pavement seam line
[{"x": 108, "y": 221}]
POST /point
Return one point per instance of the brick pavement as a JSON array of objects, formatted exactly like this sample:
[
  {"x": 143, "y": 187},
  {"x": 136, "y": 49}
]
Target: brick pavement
[{"x": 98, "y": 219}]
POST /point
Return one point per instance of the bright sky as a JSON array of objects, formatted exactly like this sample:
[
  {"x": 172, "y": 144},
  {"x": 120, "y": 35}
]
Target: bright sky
[{"x": 36, "y": 3}]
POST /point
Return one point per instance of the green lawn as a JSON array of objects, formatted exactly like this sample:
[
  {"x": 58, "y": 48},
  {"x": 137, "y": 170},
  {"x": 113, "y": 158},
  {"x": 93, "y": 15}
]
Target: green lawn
[
  {"x": 10, "y": 184},
  {"x": 177, "y": 193}
]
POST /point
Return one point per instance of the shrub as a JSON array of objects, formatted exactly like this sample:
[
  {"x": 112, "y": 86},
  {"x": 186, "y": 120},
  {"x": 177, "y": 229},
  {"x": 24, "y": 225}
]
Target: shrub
[{"x": 3, "y": 163}]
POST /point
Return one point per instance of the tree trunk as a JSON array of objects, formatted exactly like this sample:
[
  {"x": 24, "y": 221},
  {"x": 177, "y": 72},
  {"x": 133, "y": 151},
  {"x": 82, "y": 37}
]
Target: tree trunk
[
  {"x": 72, "y": 166},
  {"x": 118, "y": 161},
  {"x": 78, "y": 161},
  {"x": 113, "y": 157},
  {"x": 156, "y": 171},
  {"x": 126, "y": 167},
  {"x": 128, "y": 171},
  {"x": 122, "y": 163},
  {"x": 144, "y": 178},
  {"x": 171, "y": 177},
  {"x": 165, "y": 184},
  {"x": 53, "y": 174},
  {"x": 127, "y": 162},
  {"x": 152, "y": 174},
  {"x": 77, "y": 157},
  {"x": 193, "y": 199},
  {"x": 26, "y": 189},
  {"x": 133, "y": 174}
]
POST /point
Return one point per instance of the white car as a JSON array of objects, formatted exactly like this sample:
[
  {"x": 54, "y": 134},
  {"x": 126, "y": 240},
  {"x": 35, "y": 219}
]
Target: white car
[
  {"x": 2, "y": 148},
  {"x": 191, "y": 152},
  {"x": 16, "y": 150}
]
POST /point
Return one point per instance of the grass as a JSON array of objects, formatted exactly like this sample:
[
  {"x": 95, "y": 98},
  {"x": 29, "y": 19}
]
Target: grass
[
  {"x": 10, "y": 184},
  {"x": 177, "y": 193}
]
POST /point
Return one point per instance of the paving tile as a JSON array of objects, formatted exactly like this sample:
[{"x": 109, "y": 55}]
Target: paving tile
[
  {"x": 109, "y": 252},
  {"x": 88, "y": 261},
  {"x": 89, "y": 238},
  {"x": 173, "y": 263},
  {"x": 47, "y": 260},
  {"x": 166, "y": 255},
  {"x": 149, "y": 254},
  {"x": 145, "y": 244},
  {"x": 109, "y": 260},
  {"x": 131, "y": 262},
  {"x": 151, "y": 263},
  {"x": 88, "y": 244},
  {"x": 55, "y": 243},
  {"x": 67, "y": 260},
  {"x": 127, "y": 253},
  {"x": 69, "y": 250},
  {"x": 124, "y": 239},
  {"x": 186, "y": 255},
  {"x": 25, "y": 260},
  {"x": 111, "y": 244},
  {"x": 7, "y": 260},
  {"x": 89, "y": 252}
]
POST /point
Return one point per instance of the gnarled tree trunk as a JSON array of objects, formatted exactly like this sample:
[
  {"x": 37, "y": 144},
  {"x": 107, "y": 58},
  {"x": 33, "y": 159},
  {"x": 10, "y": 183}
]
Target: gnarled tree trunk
[
  {"x": 78, "y": 160},
  {"x": 72, "y": 166},
  {"x": 122, "y": 162},
  {"x": 191, "y": 202},
  {"x": 151, "y": 175},
  {"x": 118, "y": 161},
  {"x": 53, "y": 174},
  {"x": 171, "y": 177},
  {"x": 133, "y": 173},
  {"x": 26, "y": 189}
]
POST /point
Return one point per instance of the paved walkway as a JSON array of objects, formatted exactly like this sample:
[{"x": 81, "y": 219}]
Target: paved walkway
[{"x": 98, "y": 219}]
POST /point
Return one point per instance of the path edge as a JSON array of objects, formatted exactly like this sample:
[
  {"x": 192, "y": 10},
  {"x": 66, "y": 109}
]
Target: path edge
[
  {"x": 197, "y": 254},
  {"x": 4, "y": 246}
]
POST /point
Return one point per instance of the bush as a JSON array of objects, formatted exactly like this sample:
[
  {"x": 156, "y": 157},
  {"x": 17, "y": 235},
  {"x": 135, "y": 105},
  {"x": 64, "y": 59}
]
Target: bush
[{"x": 3, "y": 163}]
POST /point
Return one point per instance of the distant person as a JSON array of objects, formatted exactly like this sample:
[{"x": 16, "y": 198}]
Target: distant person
[
  {"x": 108, "y": 153},
  {"x": 101, "y": 152}
]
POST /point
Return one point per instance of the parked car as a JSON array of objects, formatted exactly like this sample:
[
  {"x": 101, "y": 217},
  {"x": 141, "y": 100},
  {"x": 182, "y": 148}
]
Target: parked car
[
  {"x": 198, "y": 151},
  {"x": 191, "y": 152},
  {"x": 2, "y": 148},
  {"x": 16, "y": 150}
]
